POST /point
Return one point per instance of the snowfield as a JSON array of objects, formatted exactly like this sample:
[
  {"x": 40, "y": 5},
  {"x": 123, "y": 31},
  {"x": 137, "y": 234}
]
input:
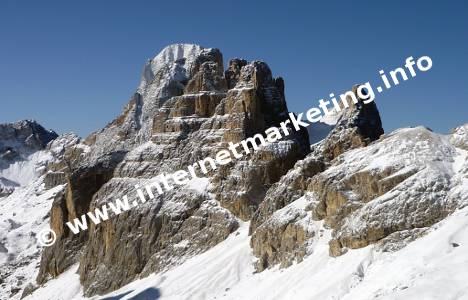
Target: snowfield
[
  {"x": 26, "y": 171},
  {"x": 23, "y": 215},
  {"x": 432, "y": 267}
]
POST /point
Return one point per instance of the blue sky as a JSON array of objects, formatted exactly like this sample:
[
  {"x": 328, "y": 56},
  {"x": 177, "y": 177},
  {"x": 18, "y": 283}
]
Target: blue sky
[{"x": 74, "y": 65}]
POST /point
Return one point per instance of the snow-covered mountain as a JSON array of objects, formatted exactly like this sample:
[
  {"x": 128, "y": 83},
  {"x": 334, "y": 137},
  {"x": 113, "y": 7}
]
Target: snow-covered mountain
[
  {"x": 358, "y": 215},
  {"x": 21, "y": 157}
]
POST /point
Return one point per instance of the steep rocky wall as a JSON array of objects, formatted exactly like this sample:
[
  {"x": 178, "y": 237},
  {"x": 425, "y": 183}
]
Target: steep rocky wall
[
  {"x": 358, "y": 126},
  {"x": 196, "y": 110},
  {"x": 368, "y": 188}
]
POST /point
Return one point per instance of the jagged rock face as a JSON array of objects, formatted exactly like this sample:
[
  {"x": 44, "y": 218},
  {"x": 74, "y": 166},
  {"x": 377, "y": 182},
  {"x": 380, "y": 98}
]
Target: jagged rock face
[
  {"x": 355, "y": 127},
  {"x": 88, "y": 167},
  {"x": 358, "y": 126},
  {"x": 285, "y": 236},
  {"x": 206, "y": 74},
  {"x": 186, "y": 109},
  {"x": 291, "y": 187},
  {"x": 417, "y": 187},
  {"x": 93, "y": 163},
  {"x": 66, "y": 151},
  {"x": 367, "y": 187},
  {"x": 163, "y": 77},
  {"x": 387, "y": 193},
  {"x": 255, "y": 104},
  {"x": 159, "y": 235}
]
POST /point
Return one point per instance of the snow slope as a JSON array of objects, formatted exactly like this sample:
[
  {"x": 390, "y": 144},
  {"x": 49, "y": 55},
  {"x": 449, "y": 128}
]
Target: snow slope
[
  {"x": 26, "y": 170},
  {"x": 23, "y": 214},
  {"x": 433, "y": 267}
]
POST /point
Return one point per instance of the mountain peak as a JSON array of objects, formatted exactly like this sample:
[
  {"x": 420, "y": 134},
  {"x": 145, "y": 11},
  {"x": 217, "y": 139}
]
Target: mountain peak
[
  {"x": 26, "y": 132},
  {"x": 177, "y": 51}
]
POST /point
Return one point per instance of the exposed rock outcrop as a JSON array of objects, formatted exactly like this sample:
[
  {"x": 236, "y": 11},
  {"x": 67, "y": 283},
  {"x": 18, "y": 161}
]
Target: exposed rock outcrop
[
  {"x": 186, "y": 108},
  {"x": 368, "y": 188},
  {"x": 386, "y": 190},
  {"x": 357, "y": 126},
  {"x": 284, "y": 238}
]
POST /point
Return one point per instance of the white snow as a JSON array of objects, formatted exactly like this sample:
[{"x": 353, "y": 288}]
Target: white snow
[
  {"x": 459, "y": 136},
  {"x": 30, "y": 166},
  {"x": 25, "y": 171},
  {"x": 65, "y": 287},
  {"x": 415, "y": 147},
  {"x": 23, "y": 214},
  {"x": 432, "y": 267},
  {"x": 167, "y": 58},
  {"x": 331, "y": 118},
  {"x": 295, "y": 212},
  {"x": 200, "y": 184}
]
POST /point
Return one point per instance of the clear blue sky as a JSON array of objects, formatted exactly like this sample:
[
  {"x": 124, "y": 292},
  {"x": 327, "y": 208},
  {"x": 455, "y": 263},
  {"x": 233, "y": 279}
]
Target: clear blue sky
[{"x": 73, "y": 65}]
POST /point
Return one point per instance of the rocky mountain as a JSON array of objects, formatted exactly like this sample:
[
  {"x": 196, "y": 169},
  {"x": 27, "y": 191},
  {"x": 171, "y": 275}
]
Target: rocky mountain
[
  {"x": 182, "y": 112},
  {"x": 21, "y": 158},
  {"x": 290, "y": 220}
]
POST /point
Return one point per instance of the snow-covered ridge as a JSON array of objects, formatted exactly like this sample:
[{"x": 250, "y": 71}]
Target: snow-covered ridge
[
  {"x": 175, "y": 52},
  {"x": 406, "y": 147},
  {"x": 25, "y": 202},
  {"x": 23, "y": 138}
]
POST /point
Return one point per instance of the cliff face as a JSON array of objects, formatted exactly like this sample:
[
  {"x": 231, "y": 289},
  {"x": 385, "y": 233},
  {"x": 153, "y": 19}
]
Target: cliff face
[
  {"x": 285, "y": 241},
  {"x": 388, "y": 193},
  {"x": 185, "y": 109},
  {"x": 364, "y": 186}
]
